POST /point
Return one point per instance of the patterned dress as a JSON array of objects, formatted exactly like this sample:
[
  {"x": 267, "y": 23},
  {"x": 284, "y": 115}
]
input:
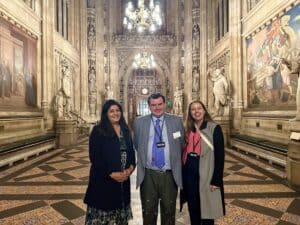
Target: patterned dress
[{"x": 112, "y": 217}]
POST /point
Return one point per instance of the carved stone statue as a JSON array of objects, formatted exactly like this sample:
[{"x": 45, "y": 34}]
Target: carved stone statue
[
  {"x": 59, "y": 104},
  {"x": 220, "y": 90},
  {"x": 195, "y": 3},
  {"x": 177, "y": 105},
  {"x": 90, "y": 3},
  {"x": 295, "y": 63},
  {"x": 196, "y": 37},
  {"x": 91, "y": 36},
  {"x": 109, "y": 94},
  {"x": 92, "y": 79},
  {"x": 64, "y": 96},
  {"x": 92, "y": 104},
  {"x": 196, "y": 79},
  {"x": 298, "y": 97}
]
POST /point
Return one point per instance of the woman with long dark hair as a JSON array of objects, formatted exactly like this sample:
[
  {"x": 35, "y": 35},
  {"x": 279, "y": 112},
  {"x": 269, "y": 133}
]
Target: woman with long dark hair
[
  {"x": 112, "y": 162},
  {"x": 203, "y": 165}
]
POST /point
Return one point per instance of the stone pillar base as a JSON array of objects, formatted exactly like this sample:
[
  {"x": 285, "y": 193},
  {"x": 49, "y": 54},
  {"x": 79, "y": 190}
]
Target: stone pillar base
[
  {"x": 66, "y": 132},
  {"x": 293, "y": 165},
  {"x": 224, "y": 122}
]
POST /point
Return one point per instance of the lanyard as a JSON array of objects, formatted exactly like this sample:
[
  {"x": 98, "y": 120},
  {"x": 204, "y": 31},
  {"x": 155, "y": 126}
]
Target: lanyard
[
  {"x": 195, "y": 144},
  {"x": 159, "y": 134}
]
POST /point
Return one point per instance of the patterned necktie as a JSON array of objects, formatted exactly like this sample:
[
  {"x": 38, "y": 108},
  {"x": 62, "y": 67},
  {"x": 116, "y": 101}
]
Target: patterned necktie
[{"x": 158, "y": 156}]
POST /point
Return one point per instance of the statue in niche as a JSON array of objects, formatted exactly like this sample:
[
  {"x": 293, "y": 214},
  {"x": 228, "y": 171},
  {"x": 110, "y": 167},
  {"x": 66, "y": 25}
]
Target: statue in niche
[
  {"x": 64, "y": 96},
  {"x": 91, "y": 36},
  {"x": 92, "y": 104},
  {"x": 196, "y": 37},
  {"x": 220, "y": 90},
  {"x": 92, "y": 79},
  {"x": 195, "y": 3},
  {"x": 108, "y": 93},
  {"x": 196, "y": 79},
  {"x": 91, "y": 3},
  {"x": 177, "y": 105},
  {"x": 298, "y": 96},
  {"x": 130, "y": 107},
  {"x": 295, "y": 65},
  {"x": 59, "y": 104}
]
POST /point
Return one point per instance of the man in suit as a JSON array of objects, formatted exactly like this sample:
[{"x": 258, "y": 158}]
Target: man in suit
[{"x": 158, "y": 140}]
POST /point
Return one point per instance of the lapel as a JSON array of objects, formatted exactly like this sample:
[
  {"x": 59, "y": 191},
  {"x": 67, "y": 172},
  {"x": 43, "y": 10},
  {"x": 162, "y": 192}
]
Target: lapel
[
  {"x": 170, "y": 130},
  {"x": 204, "y": 147},
  {"x": 146, "y": 123}
]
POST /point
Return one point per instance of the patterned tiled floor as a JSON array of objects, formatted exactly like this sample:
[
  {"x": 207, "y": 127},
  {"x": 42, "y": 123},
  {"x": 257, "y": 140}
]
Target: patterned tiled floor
[{"x": 49, "y": 190}]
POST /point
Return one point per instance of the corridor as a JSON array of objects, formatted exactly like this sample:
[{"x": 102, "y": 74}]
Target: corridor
[{"x": 49, "y": 190}]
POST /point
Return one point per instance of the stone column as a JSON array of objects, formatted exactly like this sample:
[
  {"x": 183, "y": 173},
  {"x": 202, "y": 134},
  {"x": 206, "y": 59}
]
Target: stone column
[
  {"x": 293, "y": 158},
  {"x": 113, "y": 77},
  {"x": 59, "y": 19},
  {"x": 235, "y": 71},
  {"x": 188, "y": 64},
  {"x": 100, "y": 53},
  {"x": 203, "y": 50},
  {"x": 47, "y": 55},
  {"x": 65, "y": 20},
  {"x": 82, "y": 29},
  {"x": 196, "y": 40},
  {"x": 91, "y": 45}
]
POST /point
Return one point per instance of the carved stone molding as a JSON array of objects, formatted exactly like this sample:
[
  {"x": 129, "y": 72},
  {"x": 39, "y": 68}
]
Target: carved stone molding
[
  {"x": 134, "y": 40},
  {"x": 18, "y": 25},
  {"x": 196, "y": 47},
  {"x": 222, "y": 61},
  {"x": 91, "y": 46},
  {"x": 181, "y": 43}
]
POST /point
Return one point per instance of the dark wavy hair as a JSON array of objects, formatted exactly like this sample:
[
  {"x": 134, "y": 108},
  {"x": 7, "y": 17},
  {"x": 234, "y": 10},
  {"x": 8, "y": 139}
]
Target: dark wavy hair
[
  {"x": 190, "y": 121},
  {"x": 156, "y": 96},
  {"x": 105, "y": 125}
]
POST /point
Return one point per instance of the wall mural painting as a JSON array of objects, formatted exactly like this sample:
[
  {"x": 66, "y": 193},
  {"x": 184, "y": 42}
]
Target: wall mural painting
[
  {"x": 270, "y": 81},
  {"x": 17, "y": 68}
]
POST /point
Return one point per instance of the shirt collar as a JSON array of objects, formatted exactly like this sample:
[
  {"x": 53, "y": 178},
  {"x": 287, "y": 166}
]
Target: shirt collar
[{"x": 154, "y": 118}]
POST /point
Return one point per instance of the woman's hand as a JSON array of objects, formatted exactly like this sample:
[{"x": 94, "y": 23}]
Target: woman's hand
[
  {"x": 119, "y": 176},
  {"x": 122, "y": 176},
  {"x": 213, "y": 188},
  {"x": 129, "y": 171}
]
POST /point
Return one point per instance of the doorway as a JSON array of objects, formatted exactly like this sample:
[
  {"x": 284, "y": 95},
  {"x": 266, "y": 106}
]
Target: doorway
[{"x": 141, "y": 84}]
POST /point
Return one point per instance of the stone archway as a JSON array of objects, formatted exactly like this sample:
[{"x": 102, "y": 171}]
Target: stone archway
[{"x": 126, "y": 72}]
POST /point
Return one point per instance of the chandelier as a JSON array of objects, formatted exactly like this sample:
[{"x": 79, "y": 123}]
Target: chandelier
[
  {"x": 143, "y": 60},
  {"x": 142, "y": 18}
]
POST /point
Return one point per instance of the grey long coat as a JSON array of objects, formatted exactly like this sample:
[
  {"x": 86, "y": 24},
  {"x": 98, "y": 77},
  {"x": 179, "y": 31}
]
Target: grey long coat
[{"x": 211, "y": 166}]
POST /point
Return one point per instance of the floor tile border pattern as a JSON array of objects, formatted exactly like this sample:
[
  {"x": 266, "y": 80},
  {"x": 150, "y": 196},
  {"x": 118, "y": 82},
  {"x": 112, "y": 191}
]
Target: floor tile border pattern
[{"x": 64, "y": 197}]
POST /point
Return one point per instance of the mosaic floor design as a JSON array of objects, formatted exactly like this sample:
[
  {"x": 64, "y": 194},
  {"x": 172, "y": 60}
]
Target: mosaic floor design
[{"x": 48, "y": 190}]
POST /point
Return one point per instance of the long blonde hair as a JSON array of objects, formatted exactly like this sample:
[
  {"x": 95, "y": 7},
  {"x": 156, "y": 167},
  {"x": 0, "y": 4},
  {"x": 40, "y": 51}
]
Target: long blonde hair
[{"x": 190, "y": 121}]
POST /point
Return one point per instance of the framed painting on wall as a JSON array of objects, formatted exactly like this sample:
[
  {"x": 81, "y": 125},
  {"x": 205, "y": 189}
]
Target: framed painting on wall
[
  {"x": 271, "y": 83},
  {"x": 18, "y": 69}
]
